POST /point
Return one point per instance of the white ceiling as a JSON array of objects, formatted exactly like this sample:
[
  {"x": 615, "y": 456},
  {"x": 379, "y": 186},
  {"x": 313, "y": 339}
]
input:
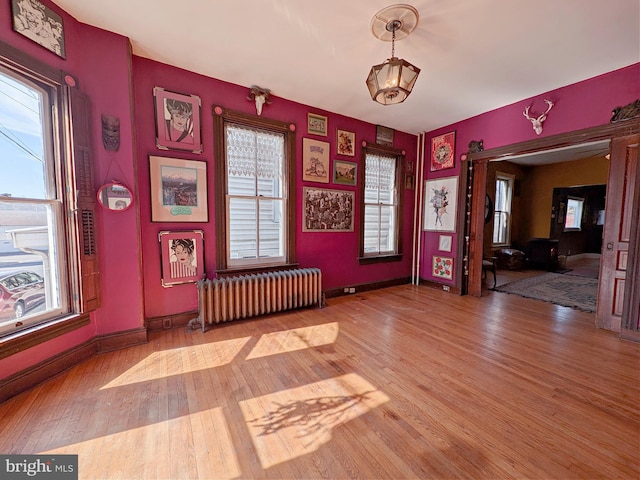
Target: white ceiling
[{"x": 475, "y": 55}]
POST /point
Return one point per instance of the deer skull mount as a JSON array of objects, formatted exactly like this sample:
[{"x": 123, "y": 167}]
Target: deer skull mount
[
  {"x": 260, "y": 96},
  {"x": 537, "y": 122}
]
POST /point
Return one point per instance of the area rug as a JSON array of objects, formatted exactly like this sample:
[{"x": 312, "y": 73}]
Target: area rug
[{"x": 566, "y": 290}]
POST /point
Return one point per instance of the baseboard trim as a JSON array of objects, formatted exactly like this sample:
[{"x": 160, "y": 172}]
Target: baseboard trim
[
  {"x": 41, "y": 372},
  {"x": 166, "y": 322},
  {"x": 630, "y": 335},
  {"x": 365, "y": 287},
  {"x": 440, "y": 286}
]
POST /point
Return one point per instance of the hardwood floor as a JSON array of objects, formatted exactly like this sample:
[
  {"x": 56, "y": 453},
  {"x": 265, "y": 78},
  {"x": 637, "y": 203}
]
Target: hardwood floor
[{"x": 404, "y": 382}]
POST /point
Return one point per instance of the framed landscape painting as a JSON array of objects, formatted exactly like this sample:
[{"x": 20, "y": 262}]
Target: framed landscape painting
[{"x": 178, "y": 190}]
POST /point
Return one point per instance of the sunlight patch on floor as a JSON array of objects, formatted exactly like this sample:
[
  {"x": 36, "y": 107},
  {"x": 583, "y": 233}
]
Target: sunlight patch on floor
[
  {"x": 295, "y": 339},
  {"x": 179, "y": 361},
  {"x": 291, "y": 423}
]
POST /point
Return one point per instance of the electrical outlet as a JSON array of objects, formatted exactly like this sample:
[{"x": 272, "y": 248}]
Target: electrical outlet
[
  {"x": 352, "y": 290},
  {"x": 346, "y": 289},
  {"x": 446, "y": 288}
]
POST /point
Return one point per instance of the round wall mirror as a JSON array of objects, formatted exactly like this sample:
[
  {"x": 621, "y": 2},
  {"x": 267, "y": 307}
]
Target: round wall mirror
[{"x": 115, "y": 196}]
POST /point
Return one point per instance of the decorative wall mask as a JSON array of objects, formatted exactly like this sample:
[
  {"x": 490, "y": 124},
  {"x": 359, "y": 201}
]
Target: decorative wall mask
[
  {"x": 537, "y": 122},
  {"x": 110, "y": 132}
]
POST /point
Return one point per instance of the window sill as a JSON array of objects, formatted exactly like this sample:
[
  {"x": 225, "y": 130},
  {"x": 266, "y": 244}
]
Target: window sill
[
  {"x": 395, "y": 257},
  {"x": 256, "y": 269},
  {"x": 13, "y": 343}
]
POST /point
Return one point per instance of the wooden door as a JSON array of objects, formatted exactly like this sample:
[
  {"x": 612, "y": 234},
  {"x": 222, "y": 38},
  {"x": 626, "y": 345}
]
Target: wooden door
[{"x": 617, "y": 231}]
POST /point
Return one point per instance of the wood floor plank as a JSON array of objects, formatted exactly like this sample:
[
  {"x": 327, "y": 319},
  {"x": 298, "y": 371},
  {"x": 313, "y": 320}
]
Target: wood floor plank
[{"x": 404, "y": 382}]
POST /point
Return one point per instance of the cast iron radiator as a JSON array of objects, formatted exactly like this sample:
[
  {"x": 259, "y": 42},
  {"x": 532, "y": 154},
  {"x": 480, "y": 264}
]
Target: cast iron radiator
[{"x": 244, "y": 296}]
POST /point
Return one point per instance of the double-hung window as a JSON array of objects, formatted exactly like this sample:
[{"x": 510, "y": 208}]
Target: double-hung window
[
  {"x": 502, "y": 211},
  {"x": 256, "y": 179},
  {"x": 381, "y": 199},
  {"x": 47, "y": 241}
]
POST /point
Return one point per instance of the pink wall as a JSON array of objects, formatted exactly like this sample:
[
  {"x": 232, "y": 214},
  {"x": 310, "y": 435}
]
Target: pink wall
[
  {"x": 335, "y": 253},
  {"x": 100, "y": 62},
  {"x": 581, "y": 105}
]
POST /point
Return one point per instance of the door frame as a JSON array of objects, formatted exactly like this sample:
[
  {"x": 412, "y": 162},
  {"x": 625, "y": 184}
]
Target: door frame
[{"x": 475, "y": 220}]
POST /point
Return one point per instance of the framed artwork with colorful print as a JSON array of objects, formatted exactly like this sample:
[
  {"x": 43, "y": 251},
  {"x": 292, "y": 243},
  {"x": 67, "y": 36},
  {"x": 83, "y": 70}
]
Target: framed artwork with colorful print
[{"x": 443, "y": 151}]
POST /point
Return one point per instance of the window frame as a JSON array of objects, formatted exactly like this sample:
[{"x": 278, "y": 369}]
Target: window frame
[
  {"x": 221, "y": 117},
  {"x": 69, "y": 121},
  {"x": 387, "y": 151},
  {"x": 510, "y": 179},
  {"x": 577, "y": 224}
]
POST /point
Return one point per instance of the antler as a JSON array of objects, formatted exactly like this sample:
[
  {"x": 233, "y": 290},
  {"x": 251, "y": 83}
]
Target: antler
[
  {"x": 260, "y": 96},
  {"x": 537, "y": 122}
]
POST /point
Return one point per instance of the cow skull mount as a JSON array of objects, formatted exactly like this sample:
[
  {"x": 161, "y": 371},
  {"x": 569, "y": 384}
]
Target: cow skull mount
[
  {"x": 537, "y": 122},
  {"x": 260, "y": 96}
]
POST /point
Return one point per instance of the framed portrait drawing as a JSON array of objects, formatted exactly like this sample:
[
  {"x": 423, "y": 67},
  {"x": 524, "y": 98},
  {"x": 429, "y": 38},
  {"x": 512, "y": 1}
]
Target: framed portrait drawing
[
  {"x": 327, "y": 210},
  {"x": 384, "y": 135},
  {"x": 346, "y": 143},
  {"x": 442, "y": 267},
  {"x": 441, "y": 198},
  {"x": 443, "y": 151},
  {"x": 317, "y": 124},
  {"x": 177, "y": 121},
  {"x": 40, "y": 24},
  {"x": 178, "y": 190},
  {"x": 315, "y": 160},
  {"x": 181, "y": 257},
  {"x": 345, "y": 173}
]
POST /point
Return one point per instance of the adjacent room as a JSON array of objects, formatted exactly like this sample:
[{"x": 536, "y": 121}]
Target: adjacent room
[{"x": 341, "y": 240}]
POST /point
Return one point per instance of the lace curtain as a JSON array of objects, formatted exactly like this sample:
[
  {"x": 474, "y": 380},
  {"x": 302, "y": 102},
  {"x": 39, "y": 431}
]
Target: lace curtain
[
  {"x": 254, "y": 153},
  {"x": 380, "y": 173}
]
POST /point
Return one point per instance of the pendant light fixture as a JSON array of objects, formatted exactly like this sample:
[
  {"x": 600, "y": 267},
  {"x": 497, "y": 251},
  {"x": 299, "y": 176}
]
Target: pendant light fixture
[{"x": 391, "y": 82}]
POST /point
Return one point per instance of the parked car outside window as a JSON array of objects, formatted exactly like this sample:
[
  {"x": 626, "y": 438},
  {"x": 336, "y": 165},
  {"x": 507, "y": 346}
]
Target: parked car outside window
[{"x": 20, "y": 292}]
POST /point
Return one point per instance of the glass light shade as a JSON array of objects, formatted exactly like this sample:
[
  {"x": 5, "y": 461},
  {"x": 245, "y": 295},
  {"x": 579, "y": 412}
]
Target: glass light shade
[{"x": 391, "y": 82}]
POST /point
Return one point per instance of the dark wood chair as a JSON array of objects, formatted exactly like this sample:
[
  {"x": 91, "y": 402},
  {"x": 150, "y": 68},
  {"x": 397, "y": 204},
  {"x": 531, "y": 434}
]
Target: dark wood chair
[{"x": 489, "y": 265}]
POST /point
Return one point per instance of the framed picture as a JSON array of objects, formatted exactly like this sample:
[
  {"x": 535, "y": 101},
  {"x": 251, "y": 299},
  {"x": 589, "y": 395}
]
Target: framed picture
[
  {"x": 444, "y": 243},
  {"x": 441, "y": 198},
  {"x": 442, "y": 267},
  {"x": 315, "y": 160},
  {"x": 40, "y": 24},
  {"x": 317, "y": 124},
  {"x": 327, "y": 210},
  {"x": 443, "y": 151},
  {"x": 178, "y": 190},
  {"x": 182, "y": 257},
  {"x": 345, "y": 173},
  {"x": 346, "y": 142},
  {"x": 384, "y": 135},
  {"x": 177, "y": 121},
  {"x": 409, "y": 182}
]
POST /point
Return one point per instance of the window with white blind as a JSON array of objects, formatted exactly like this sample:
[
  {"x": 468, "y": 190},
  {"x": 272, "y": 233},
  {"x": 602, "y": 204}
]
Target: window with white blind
[
  {"x": 502, "y": 210},
  {"x": 256, "y": 186},
  {"x": 380, "y": 203}
]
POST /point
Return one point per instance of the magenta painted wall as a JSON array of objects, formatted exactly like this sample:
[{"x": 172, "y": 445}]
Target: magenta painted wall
[
  {"x": 336, "y": 254},
  {"x": 101, "y": 63},
  {"x": 581, "y": 105}
]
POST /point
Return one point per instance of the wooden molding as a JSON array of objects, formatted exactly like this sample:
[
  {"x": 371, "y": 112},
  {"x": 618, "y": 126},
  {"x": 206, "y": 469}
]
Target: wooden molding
[
  {"x": 440, "y": 286},
  {"x": 43, "y": 371},
  {"x": 119, "y": 340},
  {"x": 166, "y": 322},
  {"x": 365, "y": 287}
]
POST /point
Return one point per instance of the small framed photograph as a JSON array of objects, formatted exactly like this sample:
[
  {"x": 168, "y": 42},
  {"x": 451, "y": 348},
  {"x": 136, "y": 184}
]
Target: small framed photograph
[
  {"x": 443, "y": 151},
  {"x": 317, "y": 124},
  {"x": 40, "y": 24},
  {"x": 384, "y": 135},
  {"x": 327, "y": 210},
  {"x": 409, "y": 182},
  {"x": 442, "y": 267},
  {"x": 345, "y": 173},
  {"x": 315, "y": 160},
  {"x": 178, "y": 190},
  {"x": 441, "y": 198},
  {"x": 444, "y": 243},
  {"x": 181, "y": 256},
  {"x": 346, "y": 142},
  {"x": 177, "y": 121}
]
